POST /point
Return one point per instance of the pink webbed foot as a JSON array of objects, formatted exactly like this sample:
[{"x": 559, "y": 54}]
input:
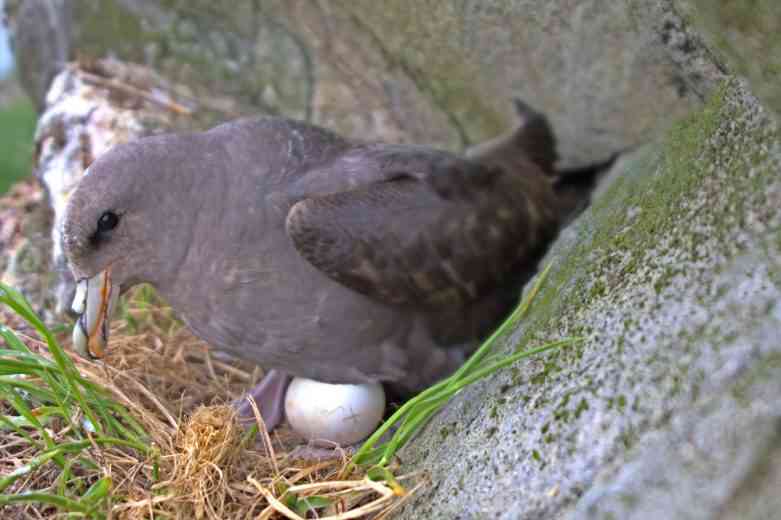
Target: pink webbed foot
[{"x": 269, "y": 395}]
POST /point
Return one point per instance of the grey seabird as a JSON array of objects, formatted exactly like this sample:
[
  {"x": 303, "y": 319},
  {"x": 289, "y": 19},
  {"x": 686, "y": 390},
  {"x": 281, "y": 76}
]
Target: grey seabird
[{"x": 312, "y": 255}]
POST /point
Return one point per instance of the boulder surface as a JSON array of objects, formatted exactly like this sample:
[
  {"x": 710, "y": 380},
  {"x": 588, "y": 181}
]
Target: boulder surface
[{"x": 668, "y": 407}]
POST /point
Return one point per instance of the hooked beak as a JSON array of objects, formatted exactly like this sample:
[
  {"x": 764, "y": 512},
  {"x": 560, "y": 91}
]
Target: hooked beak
[{"x": 94, "y": 301}]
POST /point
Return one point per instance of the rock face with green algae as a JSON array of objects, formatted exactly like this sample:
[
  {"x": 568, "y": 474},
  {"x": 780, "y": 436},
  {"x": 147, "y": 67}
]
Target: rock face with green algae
[
  {"x": 440, "y": 71},
  {"x": 669, "y": 409},
  {"x": 747, "y": 34}
]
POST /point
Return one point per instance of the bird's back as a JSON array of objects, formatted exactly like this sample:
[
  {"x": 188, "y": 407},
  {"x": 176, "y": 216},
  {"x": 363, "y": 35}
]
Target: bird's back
[
  {"x": 270, "y": 301},
  {"x": 263, "y": 301}
]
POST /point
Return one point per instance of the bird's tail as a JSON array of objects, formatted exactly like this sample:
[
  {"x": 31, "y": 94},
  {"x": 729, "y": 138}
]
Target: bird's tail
[{"x": 533, "y": 138}]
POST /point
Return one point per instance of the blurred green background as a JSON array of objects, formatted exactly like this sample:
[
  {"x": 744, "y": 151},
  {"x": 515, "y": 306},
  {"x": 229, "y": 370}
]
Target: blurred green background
[
  {"x": 17, "y": 121},
  {"x": 17, "y": 124}
]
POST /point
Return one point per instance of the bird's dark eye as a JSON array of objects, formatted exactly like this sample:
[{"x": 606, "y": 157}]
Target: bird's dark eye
[{"x": 107, "y": 222}]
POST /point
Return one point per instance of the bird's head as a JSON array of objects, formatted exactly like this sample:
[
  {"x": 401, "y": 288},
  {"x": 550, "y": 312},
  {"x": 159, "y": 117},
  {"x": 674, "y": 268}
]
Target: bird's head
[{"x": 117, "y": 230}]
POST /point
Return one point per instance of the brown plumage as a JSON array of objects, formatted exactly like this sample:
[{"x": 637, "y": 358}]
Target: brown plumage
[{"x": 316, "y": 256}]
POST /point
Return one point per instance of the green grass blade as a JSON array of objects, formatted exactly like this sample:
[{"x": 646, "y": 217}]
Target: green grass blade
[
  {"x": 35, "y": 391},
  {"x": 31, "y": 466},
  {"x": 64, "y": 503},
  {"x": 39, "y": 389},
  {"x": 509, "y": 360},
  {"x": 14, "y": 423},
  {"x": 64, "y": 478},
  {"x": 426, "y": 408},
  {"x": 368, "y": 457},
  {"x": 416, "y": 412},
  {"x": 122, "y": 432},
  {"x": 17, "y": 422},
  {"x": 18, "y": 404},
  {"x": 77, "y": 446},
  {"x": 518, "y": 313},
  {"x": 416, "y": 421},
  {"x": 16, "y": 301},
  {"x": 97, "y": 491},
  {"x": 369, "y": 443},
  {"x": 12, "y": 340},
  {"x": 13, "y": 364}
]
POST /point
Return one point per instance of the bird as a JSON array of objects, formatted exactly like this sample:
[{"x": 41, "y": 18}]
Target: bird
[{"x": 313, "y": 255}]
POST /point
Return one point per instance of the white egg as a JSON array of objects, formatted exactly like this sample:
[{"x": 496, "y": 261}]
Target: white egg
[{"x": 325, "y": 414}]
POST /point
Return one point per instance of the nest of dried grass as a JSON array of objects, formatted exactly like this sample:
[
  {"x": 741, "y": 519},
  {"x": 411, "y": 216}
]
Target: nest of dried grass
[{"x": 203, "y": 463}]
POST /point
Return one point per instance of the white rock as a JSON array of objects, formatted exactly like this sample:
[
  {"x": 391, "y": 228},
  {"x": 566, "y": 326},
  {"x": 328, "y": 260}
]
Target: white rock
[
  {"x": 325, "y": 414},
  {"x": 83, "y": 119}
]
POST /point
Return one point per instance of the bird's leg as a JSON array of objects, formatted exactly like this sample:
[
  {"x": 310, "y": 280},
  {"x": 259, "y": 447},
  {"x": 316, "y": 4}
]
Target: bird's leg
[{"x": 269, "y": 395}]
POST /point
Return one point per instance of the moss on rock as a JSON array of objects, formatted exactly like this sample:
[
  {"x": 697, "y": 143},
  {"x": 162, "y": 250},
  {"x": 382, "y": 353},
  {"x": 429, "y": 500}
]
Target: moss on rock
[
  {"x": 669, "y": 276},
  {"x": 747, "y": 34}
]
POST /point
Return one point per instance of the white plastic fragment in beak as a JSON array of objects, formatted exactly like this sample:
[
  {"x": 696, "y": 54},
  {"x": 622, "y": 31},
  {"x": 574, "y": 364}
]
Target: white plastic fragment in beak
[
  {"x": 95, "y": 299},
  {"x": 80, "y": 299}
]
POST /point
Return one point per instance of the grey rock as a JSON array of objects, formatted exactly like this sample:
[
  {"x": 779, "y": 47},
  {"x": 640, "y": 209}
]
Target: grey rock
[
  {"x": 42, "y": 44},
  {"x": 746, "y": 36},
  {"x": 669, "y": 409},
  {"x": 439, "y": 75}
]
